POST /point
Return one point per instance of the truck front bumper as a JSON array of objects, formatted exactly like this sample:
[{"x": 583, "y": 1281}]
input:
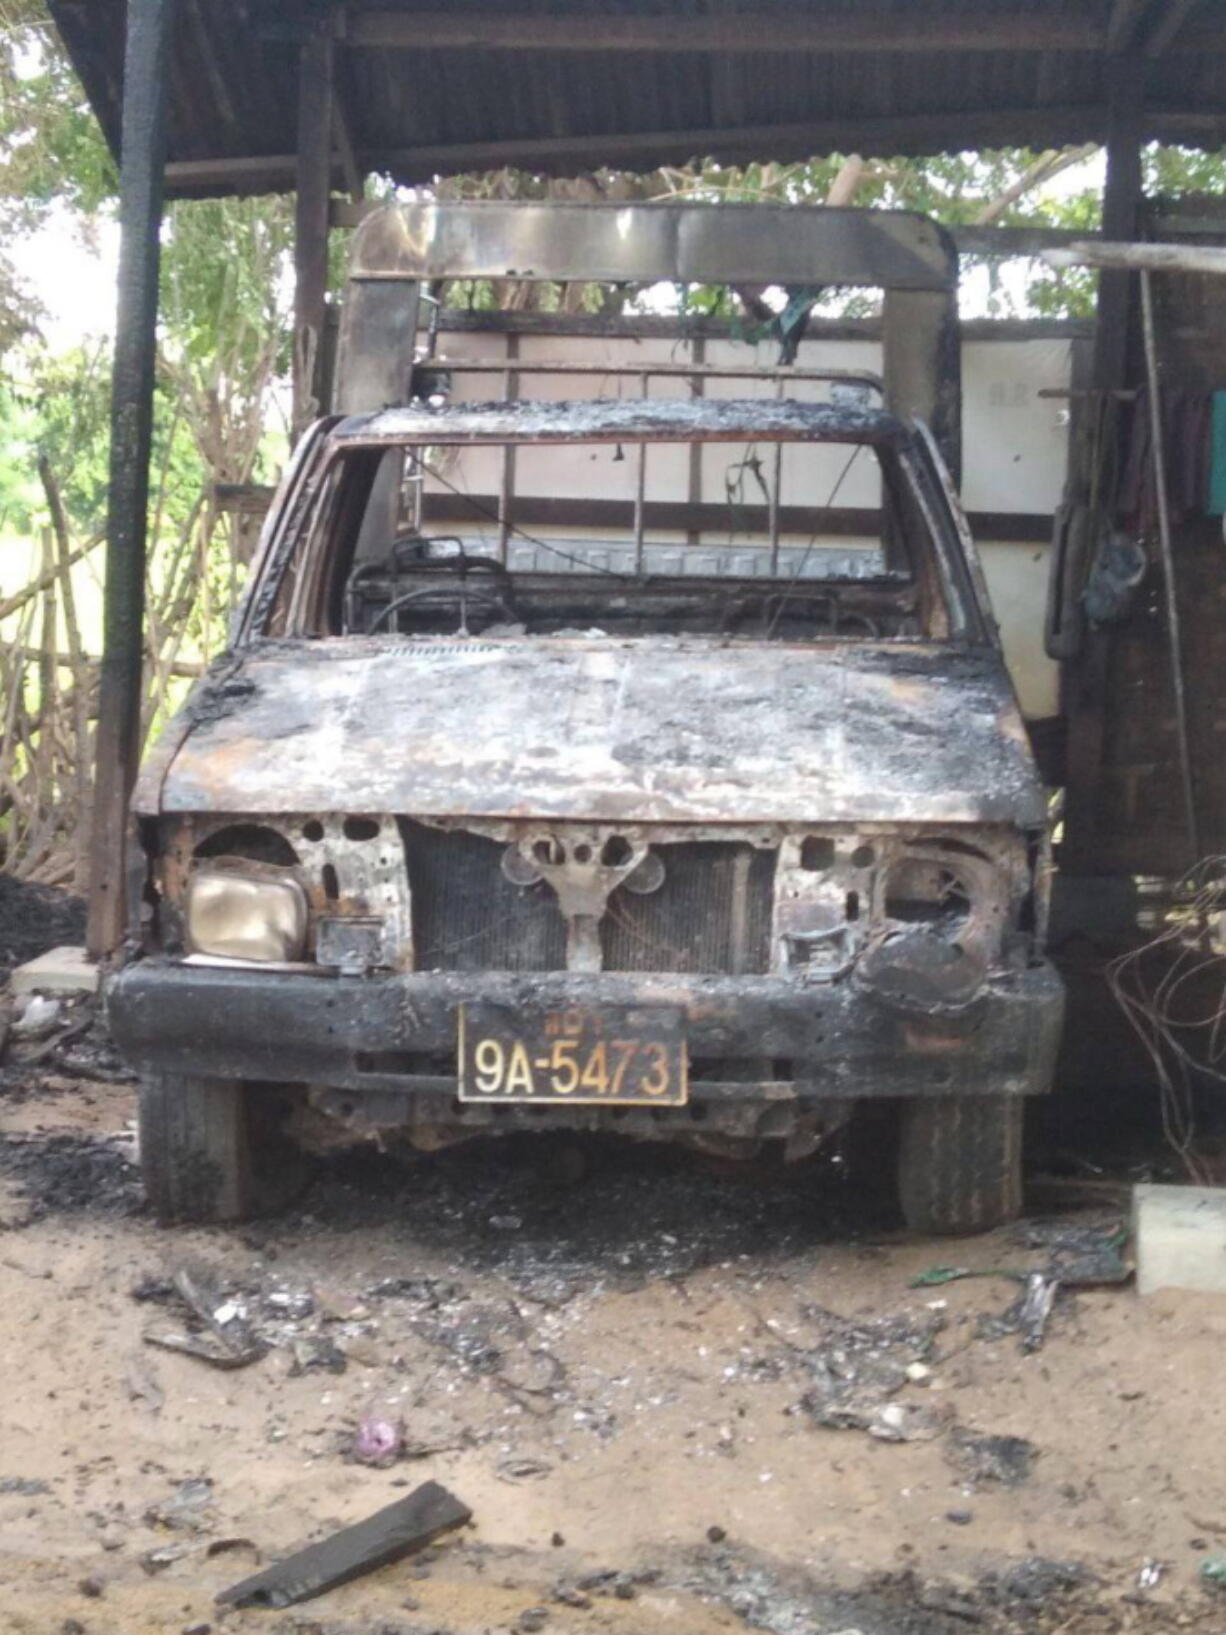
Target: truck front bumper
[{"x": 381, "y": 1051}]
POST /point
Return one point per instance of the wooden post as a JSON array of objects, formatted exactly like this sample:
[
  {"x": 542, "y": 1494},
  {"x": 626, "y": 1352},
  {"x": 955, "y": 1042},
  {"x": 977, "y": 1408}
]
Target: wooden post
[
  {"x": 1121, "y": 204},
  {"x": 1086, "y": 682},
  {"x": 150, "y": 24},
  {"x": 314, "y": 173}
]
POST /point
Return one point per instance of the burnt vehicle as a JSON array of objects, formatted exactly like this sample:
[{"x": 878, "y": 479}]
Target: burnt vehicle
[{"x": 607, "y": 814}]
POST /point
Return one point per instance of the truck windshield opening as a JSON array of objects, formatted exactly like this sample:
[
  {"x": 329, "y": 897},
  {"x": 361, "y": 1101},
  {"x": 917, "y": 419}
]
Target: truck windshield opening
[{"x": 762, "y": 538}]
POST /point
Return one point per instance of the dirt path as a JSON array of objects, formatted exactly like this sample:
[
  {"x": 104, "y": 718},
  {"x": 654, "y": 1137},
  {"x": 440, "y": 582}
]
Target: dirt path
[{"x": 621, "y": 1375}]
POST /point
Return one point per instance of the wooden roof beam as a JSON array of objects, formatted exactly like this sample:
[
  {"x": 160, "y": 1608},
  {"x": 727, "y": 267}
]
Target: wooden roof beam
[
  {"x": 809, "y": 136},
  {"x": 931, "y": 133},
  {"x": 1154, "y": 26},
  {"x": 272, "y": 173},
  {"x": 1076, "y": 27}
]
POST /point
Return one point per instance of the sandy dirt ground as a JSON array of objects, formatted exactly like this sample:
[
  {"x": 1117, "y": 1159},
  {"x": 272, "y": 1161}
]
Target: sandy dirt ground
[{"x": 624, "y": 1373}]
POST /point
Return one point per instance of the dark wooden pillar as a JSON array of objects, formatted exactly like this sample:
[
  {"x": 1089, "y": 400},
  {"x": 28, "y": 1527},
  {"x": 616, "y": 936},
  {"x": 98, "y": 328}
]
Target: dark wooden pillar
[
  {"x": 315, "y": 121},
  {"x": 1086, "y": 680},
  {"x": 1122, "y": 194},
  {"x": 150, "y": 23}
]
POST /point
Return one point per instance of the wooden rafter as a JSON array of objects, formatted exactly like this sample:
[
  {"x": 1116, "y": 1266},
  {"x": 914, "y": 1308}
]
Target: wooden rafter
[
  {"x": 1125, "y": 23},
  {"x": 1077, "y": 27},
  {"x": 276, "y": 170},
  {"x": 896, "y": 133},
  {"x": 1168, "y": 25},
  {"x": 342, "y": 136},
  {"x": 1155, "y": 26}
]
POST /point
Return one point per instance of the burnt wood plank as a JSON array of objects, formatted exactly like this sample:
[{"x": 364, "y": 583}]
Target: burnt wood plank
[{"x": 389, "y": 1535}]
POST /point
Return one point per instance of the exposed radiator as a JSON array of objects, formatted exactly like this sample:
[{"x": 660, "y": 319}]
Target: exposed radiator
[{"x": 712, "y": 914}]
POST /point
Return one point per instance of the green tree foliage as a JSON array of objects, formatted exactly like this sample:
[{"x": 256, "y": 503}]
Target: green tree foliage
[
  {"x": 52, "y": 156},
  {"x": 225, "y": 314},
  {"x": 55, "y": 406}
]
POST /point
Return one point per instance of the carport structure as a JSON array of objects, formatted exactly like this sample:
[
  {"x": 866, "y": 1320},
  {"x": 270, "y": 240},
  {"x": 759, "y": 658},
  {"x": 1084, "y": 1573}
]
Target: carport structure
[{"x": 214, "y": 97}]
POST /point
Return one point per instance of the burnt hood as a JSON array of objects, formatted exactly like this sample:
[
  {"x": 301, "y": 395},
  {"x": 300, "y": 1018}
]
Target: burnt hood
[{"x": 595, "y": 729}]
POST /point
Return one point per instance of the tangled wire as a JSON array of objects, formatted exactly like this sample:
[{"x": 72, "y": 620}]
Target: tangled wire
[{"x": 1159, "y": 988}]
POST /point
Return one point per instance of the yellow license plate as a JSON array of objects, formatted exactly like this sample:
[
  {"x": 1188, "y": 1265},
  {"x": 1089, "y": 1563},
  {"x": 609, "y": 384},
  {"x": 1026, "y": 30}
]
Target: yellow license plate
[{"x": 597, "y": 1055}]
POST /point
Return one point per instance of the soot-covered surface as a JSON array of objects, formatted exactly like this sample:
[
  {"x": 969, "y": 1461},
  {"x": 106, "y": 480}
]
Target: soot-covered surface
[
  {"x": 606, "y": 1207},
  {"x": 34, "y": 918}
]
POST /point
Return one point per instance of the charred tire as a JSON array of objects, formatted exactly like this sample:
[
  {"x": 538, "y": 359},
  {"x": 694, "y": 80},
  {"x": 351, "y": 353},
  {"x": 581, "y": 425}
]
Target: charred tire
[
  {"x": 212, "y": 1150},
  {"x": 960, "y": 1163}
]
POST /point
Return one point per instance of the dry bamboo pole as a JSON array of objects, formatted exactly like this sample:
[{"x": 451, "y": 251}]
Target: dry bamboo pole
[
  {"x": 15, "y": 603},
  {"x": 82, "y": 759},
  {"x": 1183, "y": 258}
]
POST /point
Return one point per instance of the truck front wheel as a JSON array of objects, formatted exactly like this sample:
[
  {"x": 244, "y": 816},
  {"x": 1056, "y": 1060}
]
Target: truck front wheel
[
  {"x": 960, "y": 1163},
  {"x": 212, "y": 1150}
]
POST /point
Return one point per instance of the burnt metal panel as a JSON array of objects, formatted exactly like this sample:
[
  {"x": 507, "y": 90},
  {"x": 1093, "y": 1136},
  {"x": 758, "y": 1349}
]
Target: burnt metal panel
[
  {"x": 259, "y": 1025},
  {"x": 651, "y": 243},
  {"x": 377, "y": 340},
  {"x": 648, "y": 730},
  {"x": 615, "y": 420},
  {"x": 905, "y": 254}
]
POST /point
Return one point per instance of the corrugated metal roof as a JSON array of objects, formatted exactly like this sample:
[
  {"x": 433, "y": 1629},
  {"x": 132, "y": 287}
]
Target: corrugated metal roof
[{"x": 427, "y": 90}]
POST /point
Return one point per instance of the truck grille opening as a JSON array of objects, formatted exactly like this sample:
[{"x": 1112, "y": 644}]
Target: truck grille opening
[
  {"x": 467, "y": 916},
  {"x": 711, "y": 916}
]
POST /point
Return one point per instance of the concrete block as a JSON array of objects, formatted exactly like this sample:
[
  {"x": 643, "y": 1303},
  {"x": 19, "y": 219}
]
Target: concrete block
[
  {"x": 1180, "y": 1238},
  {"x": 60, "y": 970}
]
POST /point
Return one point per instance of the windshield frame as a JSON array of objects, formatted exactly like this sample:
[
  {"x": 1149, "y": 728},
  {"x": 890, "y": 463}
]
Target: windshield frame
[{"x": 903, "y": 453}]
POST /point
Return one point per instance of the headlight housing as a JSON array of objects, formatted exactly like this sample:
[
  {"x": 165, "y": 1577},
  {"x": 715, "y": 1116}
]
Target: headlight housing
[
  {"x": 944, "y": 910},
  {"x": 236, "y": 914}
]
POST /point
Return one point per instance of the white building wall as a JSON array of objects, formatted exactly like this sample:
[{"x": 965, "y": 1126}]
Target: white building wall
[{"x": 1014, "y": 450}]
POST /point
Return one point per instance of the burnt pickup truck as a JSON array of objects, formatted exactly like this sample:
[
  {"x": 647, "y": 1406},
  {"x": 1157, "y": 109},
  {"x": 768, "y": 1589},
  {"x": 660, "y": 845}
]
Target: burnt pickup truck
[{"x": 488, "y": 824}]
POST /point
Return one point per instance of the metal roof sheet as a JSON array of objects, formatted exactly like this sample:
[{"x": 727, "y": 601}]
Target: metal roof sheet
[{"x": 561, "y": 86}]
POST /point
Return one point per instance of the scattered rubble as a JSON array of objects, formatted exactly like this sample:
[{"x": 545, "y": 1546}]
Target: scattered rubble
[
  {"x": 189, "y": 1509},
  {"x": 456, "y": 1337},
  {"x": 1033, "y": 1308},
  {"x": 33, "y": 918},
  {"x": 858, "y": 1366},
  {"x": 56, "y": 1037},
  {"x": 37, "y": 1018},
  {"x": 1078, "y": 1257},
  {"x": 63, "y": 1173},
  {"x": 1035, "y": 1581},
  {"x": 217, "y": 1330},
  {"x": 163, "y": 1556},
  {"x": 1007, "y": 1460}
]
